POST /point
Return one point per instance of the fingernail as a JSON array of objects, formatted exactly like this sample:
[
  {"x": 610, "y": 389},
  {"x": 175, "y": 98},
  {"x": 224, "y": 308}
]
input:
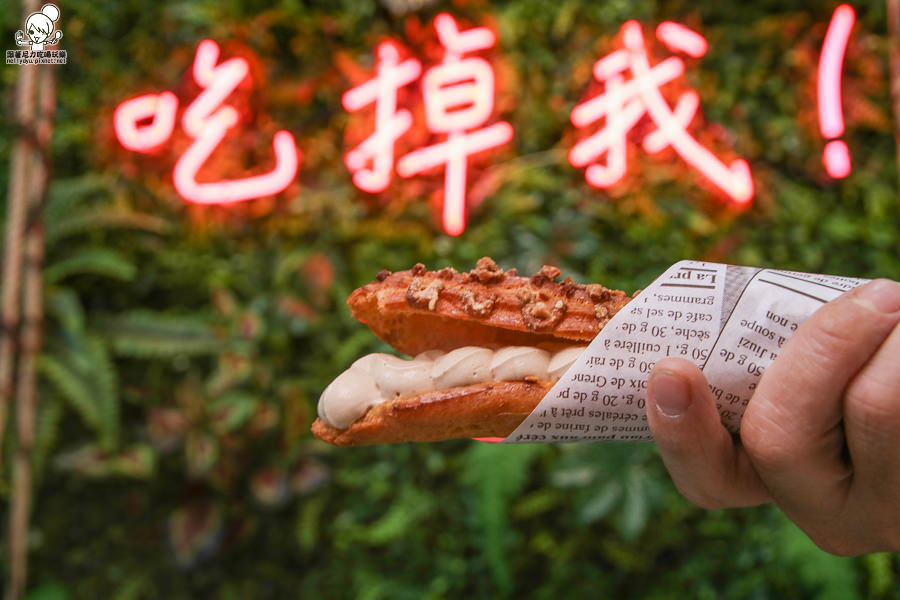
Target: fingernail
[
  {"x": 881, "y": 295},
  {"x": 670, "y": 393}
]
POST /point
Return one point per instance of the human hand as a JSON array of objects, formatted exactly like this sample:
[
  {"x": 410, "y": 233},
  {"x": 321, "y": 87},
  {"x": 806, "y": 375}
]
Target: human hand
[{"x": 821, "y": 436}]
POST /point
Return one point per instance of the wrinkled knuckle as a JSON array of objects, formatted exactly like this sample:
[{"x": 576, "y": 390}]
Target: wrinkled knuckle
[
  {"x": 761, "y": 445},
  {"x": 874, "y": 400},
  {"x": 829, "y": 337},
  {"x": 772, "y": 458},
  {"x": 864, "y": 389},
  {"x": 766, "y": 452},
  {"x": 752, "y": 435}
]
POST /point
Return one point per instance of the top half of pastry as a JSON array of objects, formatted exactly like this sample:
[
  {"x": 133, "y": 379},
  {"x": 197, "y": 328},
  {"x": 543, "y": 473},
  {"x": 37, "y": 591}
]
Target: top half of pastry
[{"x": 418, "y": 310}]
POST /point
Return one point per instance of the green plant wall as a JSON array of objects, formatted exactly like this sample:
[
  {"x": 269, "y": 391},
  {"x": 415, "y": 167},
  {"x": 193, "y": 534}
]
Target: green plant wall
[{"x": 185, "y": 347}]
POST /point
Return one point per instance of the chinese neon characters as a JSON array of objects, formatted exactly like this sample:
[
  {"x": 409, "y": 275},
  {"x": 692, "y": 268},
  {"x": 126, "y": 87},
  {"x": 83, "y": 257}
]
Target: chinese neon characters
[
  {"x": 631, "y": 92},
  {"x": 390, "y": 123},
  {"x": 459, "y": 100},
  {"x": 207, "y": 120},
  {"x": 458, "y": 94}
]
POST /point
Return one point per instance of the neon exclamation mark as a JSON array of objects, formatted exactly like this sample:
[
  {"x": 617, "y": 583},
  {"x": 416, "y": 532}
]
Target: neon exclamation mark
[{"x": 836, "y": 156}]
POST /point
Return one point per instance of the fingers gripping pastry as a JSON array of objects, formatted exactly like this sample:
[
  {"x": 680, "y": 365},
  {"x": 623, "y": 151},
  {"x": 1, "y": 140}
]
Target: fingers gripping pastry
[{"x": 487, "y": 346}]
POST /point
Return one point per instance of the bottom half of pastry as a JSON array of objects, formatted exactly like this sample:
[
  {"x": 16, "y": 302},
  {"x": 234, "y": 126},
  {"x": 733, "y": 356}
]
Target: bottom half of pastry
[
  {"x": 467, "y": 392},
  {"x": 490, "y": 409}
]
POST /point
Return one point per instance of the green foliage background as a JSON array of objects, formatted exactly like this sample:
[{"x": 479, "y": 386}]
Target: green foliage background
[{"x": 186, "y": 347}]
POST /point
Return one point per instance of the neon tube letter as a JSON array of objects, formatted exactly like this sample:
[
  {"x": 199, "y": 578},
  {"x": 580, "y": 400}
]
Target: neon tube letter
[{"x": 836, "y": 156}]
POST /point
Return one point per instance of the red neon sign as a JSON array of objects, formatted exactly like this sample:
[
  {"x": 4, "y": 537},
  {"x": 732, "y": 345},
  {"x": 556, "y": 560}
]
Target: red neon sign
[
  {"x": 390, "y": 123},
  {"x": 161, "y": 108},
  {"x": 459, "y": 100},
  {"x": 207, "y": 120},
  {"x": 836, "y": 156},
  {"x": 624, "y": 102},
  {"x": 679, "y": 38}
]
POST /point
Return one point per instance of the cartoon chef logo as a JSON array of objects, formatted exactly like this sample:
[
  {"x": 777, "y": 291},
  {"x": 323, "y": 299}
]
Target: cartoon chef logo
[{"x": 39, "y": 29}]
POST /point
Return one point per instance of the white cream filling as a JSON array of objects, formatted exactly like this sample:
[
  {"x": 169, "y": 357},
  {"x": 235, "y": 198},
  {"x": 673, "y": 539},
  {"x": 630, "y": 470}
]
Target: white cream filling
[
  {"x": 396, "y": 377},
  {"x": 518, "y": 362},
  {"x": 376, "y": 378},
  {"x": 562, "y": 360},
  {"x": 463, "y": 366},
  {"x": 348, "y": 397}
]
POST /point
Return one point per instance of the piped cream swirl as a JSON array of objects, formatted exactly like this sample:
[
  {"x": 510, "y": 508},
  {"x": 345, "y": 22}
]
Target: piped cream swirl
[
  {"x": 518, "y": 362},
  {"x": 376, "y": 378},
  {"x": 463, "y": 366}
]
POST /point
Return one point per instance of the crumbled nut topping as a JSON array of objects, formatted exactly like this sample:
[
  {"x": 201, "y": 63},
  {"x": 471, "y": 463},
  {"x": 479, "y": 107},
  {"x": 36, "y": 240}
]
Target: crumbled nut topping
[
  {"x": 446, "y": 273},
  {"x": 547, "y": 273},
  {"x": 478, "y": 305},
  {"x": 597, "y": 292},
  {"x": 487, "y": 271},
  {"x": 418, "y": 269},
  {"x": 420, "y": 295},
  {"x": 538, "y": 315},
  {"x": 538, "y": 310},
  {"x": 525, "y": 295},
  {"x": 569, "y": 287},
  {"x": 382, "y": 275},
  {"x": 602, "y": 314},
  {"x": 550, "y": 271}
]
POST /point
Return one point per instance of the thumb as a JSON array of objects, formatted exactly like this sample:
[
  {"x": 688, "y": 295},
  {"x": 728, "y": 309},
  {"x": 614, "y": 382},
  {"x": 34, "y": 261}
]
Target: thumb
[{"x": 707, "y": 465}]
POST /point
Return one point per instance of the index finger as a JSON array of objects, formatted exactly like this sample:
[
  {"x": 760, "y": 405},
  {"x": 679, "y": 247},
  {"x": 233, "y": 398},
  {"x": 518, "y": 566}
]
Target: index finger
[{"x": 792, "y": 426}]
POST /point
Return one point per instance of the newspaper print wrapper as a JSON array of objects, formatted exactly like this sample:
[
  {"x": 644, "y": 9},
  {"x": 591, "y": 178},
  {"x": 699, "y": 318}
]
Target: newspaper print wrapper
[{"x": 731, "y": 321}]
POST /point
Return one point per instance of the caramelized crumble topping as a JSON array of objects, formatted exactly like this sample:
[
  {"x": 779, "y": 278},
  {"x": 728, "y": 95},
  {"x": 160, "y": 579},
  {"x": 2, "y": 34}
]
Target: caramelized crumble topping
[
  {"x": 478, "y": 305},
  {"x": 420, "y": 295},
  {"x": 446, "y": 273},
  {"x": 538, "y": 315},
  {"x": 487, "y": 271}
]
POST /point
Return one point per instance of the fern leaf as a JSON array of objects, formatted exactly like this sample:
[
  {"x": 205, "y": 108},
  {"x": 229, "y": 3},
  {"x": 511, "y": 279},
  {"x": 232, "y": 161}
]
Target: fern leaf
[
  {"x": 91, "y": 261},
  {"x": 50, "y": 411},
  {"x": 599, "y": 505},
  {"x": 104, "y": 218},
  {"x": 497, "y": 474},
  {"x": 68, "y": 196},
  {"x": 64, "y": 305},
  {"x": 72, "y": 387},
  {"x": 636, "y": 505},
  {"x": 145, "y": 334},
  {"x": 106, "y": 395},
  {"x": 404, "y": 515},
  {"x": 84, "y": 376}
]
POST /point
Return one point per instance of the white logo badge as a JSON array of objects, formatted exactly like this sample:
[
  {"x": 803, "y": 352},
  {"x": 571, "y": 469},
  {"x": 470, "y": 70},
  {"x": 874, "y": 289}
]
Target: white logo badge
[{"x": 39, "y": 32}]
